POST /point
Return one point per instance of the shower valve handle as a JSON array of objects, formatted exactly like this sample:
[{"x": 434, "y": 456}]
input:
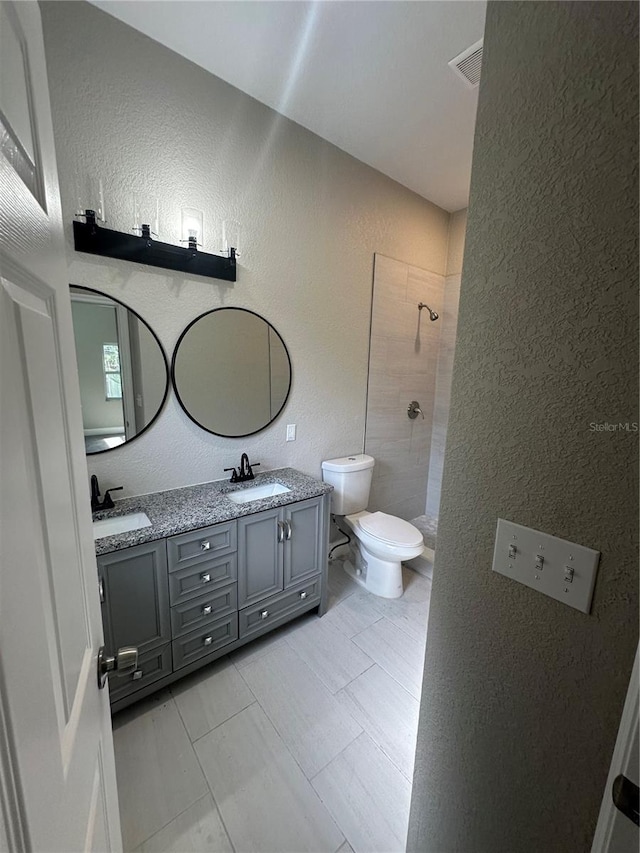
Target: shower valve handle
[{"x": 413, "y": 410}]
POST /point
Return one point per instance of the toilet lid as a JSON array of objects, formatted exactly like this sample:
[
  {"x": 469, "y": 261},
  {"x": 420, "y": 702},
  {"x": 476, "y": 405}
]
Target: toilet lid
[{"x": 390, "y": 529}]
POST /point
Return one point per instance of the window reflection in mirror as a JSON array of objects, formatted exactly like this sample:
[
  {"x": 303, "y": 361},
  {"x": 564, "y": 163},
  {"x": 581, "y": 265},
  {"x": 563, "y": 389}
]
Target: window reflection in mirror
[
  {"x": 231, "y": 372},
  {"x": 122, "y": 370}
]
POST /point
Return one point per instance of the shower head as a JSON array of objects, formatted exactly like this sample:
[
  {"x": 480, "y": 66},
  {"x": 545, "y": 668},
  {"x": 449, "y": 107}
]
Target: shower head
[{"x": 432, "y": 314}]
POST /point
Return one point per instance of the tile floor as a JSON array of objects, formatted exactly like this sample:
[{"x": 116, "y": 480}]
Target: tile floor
[{"x": 301, "y": 741}]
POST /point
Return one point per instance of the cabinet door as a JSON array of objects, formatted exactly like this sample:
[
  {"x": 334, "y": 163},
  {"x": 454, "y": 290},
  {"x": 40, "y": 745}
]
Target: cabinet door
[
  {"x": 135, "y": 608},
  {"x": 303, "y": 551},
  {"x": 259, "y": 556}
]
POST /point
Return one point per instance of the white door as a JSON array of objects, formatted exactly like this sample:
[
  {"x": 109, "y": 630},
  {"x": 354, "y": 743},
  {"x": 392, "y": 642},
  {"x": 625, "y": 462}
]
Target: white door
[
  {"x": 616, "y": 832},
  {"x": 57, "y": 773}
]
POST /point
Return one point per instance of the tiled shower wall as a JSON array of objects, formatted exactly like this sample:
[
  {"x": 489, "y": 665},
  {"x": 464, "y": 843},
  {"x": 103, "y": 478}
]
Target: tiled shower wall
[
  {"x": 402, "y": 368},
  {"x": 411, "y": 358}
]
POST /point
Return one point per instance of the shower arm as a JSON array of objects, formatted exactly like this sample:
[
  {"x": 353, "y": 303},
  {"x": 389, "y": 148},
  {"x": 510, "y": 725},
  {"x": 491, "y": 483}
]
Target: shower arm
[{"x": 432, "y": 314}]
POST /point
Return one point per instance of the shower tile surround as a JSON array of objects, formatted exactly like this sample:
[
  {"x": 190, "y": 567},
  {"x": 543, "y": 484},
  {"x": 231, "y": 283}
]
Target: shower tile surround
[{"x": 402, "y": 368}]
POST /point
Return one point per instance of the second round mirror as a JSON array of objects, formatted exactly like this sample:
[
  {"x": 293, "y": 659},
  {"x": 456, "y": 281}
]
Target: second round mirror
[{"x": 231, "y": 372}]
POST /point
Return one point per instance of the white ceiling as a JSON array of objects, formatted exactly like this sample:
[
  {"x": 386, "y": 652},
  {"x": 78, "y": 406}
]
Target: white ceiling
[{"x": 370, "y": 76}]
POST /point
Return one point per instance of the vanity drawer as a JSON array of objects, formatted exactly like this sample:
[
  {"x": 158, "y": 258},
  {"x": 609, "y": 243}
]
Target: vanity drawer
[
  {"x": 279, "y": 607},
  {"x": 152, "y": 666},
  {"x": 194, "y": 614},
  {"x": 197, "y": 644},
  {"x": 193, "y": 581},
  {"x": 201, "y": 545}
]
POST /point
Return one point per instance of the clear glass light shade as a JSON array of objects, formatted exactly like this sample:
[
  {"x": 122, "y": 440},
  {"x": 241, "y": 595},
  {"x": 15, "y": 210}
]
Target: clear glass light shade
[
  {"x": 89, "y": 195},
  {"x": 231, "y": 237},
  {"x": 146, "y": 215},
  {"x": 192, "y": 225}
]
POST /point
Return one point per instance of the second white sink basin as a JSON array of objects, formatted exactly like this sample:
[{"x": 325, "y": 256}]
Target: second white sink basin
[
  {"x": 255, "y": 493},
  {"x": 120, "y": 524}
]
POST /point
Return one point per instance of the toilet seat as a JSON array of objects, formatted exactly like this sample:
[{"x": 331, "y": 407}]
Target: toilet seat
[{"x": 390, "y": 530}]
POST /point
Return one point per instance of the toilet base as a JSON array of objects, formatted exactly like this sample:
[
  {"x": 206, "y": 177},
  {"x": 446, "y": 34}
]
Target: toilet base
[{"x": 380, "y": 577}]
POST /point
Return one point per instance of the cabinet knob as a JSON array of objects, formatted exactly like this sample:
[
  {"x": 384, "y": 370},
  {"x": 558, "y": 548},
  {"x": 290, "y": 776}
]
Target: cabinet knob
[
  {"x": 264, "y": 614},
  {"x": 207, "y": 641},
  {"x": 205, "y": 578},
  {"x": 206, "y": 610},
  {"x": 205, "y": 545},
  {"x": 303, "y": 595},
  {"x": 137, "y": 675}
]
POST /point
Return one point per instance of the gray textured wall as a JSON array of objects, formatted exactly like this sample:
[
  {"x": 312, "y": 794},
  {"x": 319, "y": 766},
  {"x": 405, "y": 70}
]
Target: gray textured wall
[
  {"x": 144, "y": 119},
  {"x": 522, "y": 696}
]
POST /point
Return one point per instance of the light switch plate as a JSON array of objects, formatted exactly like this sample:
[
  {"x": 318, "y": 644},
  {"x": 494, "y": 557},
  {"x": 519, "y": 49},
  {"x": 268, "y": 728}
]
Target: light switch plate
[
  {"x": 291, "y": 432},
  {"x": 555, "y": 567}
]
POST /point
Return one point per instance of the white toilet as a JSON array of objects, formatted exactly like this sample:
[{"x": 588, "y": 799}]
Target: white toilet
[{"x": 382, "y": 541}]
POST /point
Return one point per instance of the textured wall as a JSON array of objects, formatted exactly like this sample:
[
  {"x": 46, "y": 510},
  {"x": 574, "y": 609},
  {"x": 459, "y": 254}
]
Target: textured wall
[
  {"x": 142, "y": 118},
  {"x": 402, "y": 368},
  {"x": 522, "y": 696}
]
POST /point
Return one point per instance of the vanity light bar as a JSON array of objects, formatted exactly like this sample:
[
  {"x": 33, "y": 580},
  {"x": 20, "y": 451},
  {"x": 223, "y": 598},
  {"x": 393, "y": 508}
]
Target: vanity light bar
[{"x": 91, "y": 238}]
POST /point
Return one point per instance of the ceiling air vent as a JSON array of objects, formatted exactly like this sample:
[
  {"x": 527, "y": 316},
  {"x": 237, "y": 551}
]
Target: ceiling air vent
[{"x": 468, "y": 64}]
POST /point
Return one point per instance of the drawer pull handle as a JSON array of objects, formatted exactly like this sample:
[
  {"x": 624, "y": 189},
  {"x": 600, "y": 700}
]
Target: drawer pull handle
[
  {"x": 303, "y": 595},
  {"x": 205, "y": 545},
  {"x": 207, "y": 641},
  {"x": 205, "y": 578},
  {"x": 206, "y": 610},
  {"x": 264, "y": 614},
  {"x": 137, "y": 675}
]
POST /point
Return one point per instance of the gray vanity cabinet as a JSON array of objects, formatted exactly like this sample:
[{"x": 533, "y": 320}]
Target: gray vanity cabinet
[
  {"x": 260, "y": 568},
  {"x": 186, "y": 600},
  {"x": 303, "y": 541},
  {"x": 135, "y": 601},
  {"x": 278, "y": 549},
  {"x": 135, "y": 612}
]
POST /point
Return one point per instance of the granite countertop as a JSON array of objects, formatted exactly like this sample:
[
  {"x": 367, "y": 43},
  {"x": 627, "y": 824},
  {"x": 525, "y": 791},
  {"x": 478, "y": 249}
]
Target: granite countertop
[{"x": 180, "y": 510}]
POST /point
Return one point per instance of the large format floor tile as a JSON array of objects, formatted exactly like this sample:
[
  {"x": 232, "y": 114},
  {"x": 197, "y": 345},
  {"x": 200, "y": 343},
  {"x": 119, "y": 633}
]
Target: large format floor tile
[
  {"x": 368, "y": 797},
  {"x": 396, "y": 652},
  {"x": 306, "y": 715},
  {"x": 210, "y": 697},
  {"x": 158, "y": 773},
  {"x": 265, "y": 801},
  {"x": 197, "y": 830},
  {"x": 387, "y": 713},
  {"x": 355, "y": 613},
  {"x": 329, "y": 653}
]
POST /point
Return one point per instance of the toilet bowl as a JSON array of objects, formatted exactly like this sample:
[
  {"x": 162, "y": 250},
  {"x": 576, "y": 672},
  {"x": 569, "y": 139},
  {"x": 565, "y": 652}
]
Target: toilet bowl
[
  {"x": 381, "y": 541},
  {"x": 385, "y": 541}
]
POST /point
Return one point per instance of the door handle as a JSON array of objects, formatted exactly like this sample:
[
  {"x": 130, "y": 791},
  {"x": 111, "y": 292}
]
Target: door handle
[
  {"x": 281, "y": 531},
  {"x": 626, "y": 798},
  {"x": 288, "y": 530},
  {"x": 124, "y": 662}
]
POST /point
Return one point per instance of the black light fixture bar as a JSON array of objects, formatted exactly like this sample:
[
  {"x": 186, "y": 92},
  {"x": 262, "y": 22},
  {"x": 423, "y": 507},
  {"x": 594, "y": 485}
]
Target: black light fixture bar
[{"x": 91, "y": 238}]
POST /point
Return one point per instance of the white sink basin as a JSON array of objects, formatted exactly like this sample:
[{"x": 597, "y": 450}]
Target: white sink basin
[
  {"x": 121, "y": 524},
  {"x": 255, "y": 493}
]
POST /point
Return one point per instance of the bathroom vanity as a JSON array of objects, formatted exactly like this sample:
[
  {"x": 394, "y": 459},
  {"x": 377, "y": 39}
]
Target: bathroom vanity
[{"x": 209, "y": 573}]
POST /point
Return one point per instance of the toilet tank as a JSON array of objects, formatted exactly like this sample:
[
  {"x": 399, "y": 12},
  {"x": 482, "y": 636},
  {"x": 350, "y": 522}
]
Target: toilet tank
[{"x": 350, "y": 477}]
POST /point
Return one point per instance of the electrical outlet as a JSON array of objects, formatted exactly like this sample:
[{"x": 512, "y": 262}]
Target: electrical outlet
[{"x": 291, "y": 432}]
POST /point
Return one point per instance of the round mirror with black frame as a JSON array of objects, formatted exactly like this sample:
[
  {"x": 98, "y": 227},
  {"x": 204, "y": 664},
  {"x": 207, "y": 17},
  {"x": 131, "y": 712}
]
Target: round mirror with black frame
[
  {"x": 123, "y": 370},
  {"x": 231, "y": 372}
]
